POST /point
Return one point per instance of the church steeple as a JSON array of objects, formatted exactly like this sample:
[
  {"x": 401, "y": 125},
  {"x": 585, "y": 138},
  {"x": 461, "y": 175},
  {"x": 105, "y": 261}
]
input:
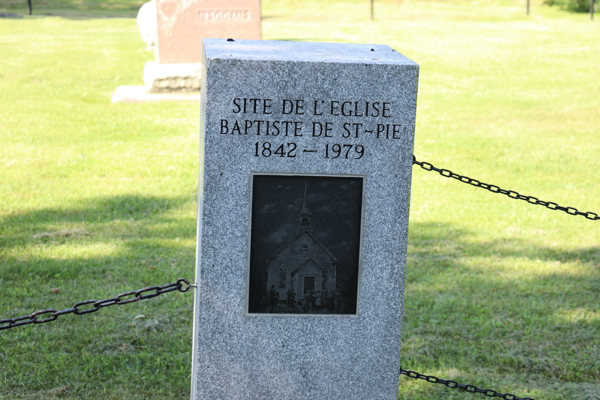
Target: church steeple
[{"x": 305, "y": 213}]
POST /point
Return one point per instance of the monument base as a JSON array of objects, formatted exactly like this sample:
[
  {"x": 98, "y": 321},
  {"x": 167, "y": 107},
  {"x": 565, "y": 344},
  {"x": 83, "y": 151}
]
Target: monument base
[
  {"x": 167, "y": 78},
  {"x": 140, "y": 94}
]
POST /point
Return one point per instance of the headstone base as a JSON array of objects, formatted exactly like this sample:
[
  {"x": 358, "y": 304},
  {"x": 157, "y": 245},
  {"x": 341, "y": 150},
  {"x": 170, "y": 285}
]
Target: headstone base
[
  {"x": 168, "y": 78},
  {"x": 140, "y": 94}
]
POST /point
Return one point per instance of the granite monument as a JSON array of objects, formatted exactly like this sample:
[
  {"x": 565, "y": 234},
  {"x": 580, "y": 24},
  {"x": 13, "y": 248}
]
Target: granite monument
[{"x": 304, "y": 190}]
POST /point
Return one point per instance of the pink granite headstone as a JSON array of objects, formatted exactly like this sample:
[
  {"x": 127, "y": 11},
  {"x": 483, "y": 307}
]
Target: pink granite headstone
[{"x": 183, "y": 24}]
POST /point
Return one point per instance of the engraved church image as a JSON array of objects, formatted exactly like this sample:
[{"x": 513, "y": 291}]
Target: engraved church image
[
  {"x": 300, "y": 226},
  {"x": 304, "y": 264}
]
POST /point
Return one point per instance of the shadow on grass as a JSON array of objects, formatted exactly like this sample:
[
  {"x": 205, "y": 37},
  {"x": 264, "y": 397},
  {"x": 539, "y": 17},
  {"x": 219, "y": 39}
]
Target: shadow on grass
[
  {"x": 95, "y": 249},
  {"x": 500, "y": 306},
  {"x": 129, "y": 227},
  {"x": 447, "y": 241},
  {"x": 94, "y": 211},
  {"x": 469, "y": 307},
  {"x": 98, "y": 236}
]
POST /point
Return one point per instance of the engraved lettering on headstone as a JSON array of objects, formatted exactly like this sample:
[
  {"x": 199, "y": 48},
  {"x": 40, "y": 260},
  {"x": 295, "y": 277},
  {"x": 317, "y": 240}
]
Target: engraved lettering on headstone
[{"x": 224, "y": 15}]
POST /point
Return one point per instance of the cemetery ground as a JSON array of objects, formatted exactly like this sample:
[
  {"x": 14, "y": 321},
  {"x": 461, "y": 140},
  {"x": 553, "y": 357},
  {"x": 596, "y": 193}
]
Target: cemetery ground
[{"x": 99, "y": 198}]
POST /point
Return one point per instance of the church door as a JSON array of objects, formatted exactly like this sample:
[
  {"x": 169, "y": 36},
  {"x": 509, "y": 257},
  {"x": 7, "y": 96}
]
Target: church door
[{"x": 309, "y": 284}]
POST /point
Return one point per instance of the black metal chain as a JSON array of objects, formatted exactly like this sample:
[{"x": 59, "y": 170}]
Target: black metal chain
[
  {"x": 158, "y": 290},
  {"x": 456, "y": 385},
  {"x": 510, "y": 193},
  {"x": 135, "y": 295}
]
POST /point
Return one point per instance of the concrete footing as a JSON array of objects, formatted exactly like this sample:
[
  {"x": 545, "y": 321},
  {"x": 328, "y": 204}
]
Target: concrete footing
[
  {"x": 163, "y": 82},
  {"x": 167, "y": 78},
  {"x": 140, "y": 94}
]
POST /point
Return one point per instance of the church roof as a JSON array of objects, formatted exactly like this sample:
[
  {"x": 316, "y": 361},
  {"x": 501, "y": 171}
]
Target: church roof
[{"x": 312, "y": 236}]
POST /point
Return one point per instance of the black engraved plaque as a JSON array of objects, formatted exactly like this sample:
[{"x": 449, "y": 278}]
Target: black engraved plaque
[{"x": 305, "y": 244}]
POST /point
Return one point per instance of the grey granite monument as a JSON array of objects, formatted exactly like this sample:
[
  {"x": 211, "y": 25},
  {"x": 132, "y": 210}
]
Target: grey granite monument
[{"x": 304, "y": 194}]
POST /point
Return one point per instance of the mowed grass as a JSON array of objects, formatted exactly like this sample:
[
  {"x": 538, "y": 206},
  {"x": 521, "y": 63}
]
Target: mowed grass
[
  {"x": 99, "y": 198},
  {"x": 75, "y": 8}
]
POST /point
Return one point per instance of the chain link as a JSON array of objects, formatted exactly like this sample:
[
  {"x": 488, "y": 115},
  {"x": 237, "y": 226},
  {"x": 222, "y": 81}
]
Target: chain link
[
  {"x": 96, "y": 305},
  {"x": 154, "y": 291},
  {"x": 456, "y": 385},
  {"x": 510, "y": 193}
]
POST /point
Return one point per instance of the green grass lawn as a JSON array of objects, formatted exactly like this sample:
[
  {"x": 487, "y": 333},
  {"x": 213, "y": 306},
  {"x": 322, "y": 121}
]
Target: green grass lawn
[
  {"x": 99, "y": 198},
  {"x": 75, "y": 8}
]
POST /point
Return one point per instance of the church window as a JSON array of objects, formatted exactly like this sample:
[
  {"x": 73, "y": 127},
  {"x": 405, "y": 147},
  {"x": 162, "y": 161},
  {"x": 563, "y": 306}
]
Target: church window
[
  {"x": 305, "y": 222},
  {"x": 324, "y": 277},
  {"x": 282, "y": 276},
  {"x": 304, "y": 246}
]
